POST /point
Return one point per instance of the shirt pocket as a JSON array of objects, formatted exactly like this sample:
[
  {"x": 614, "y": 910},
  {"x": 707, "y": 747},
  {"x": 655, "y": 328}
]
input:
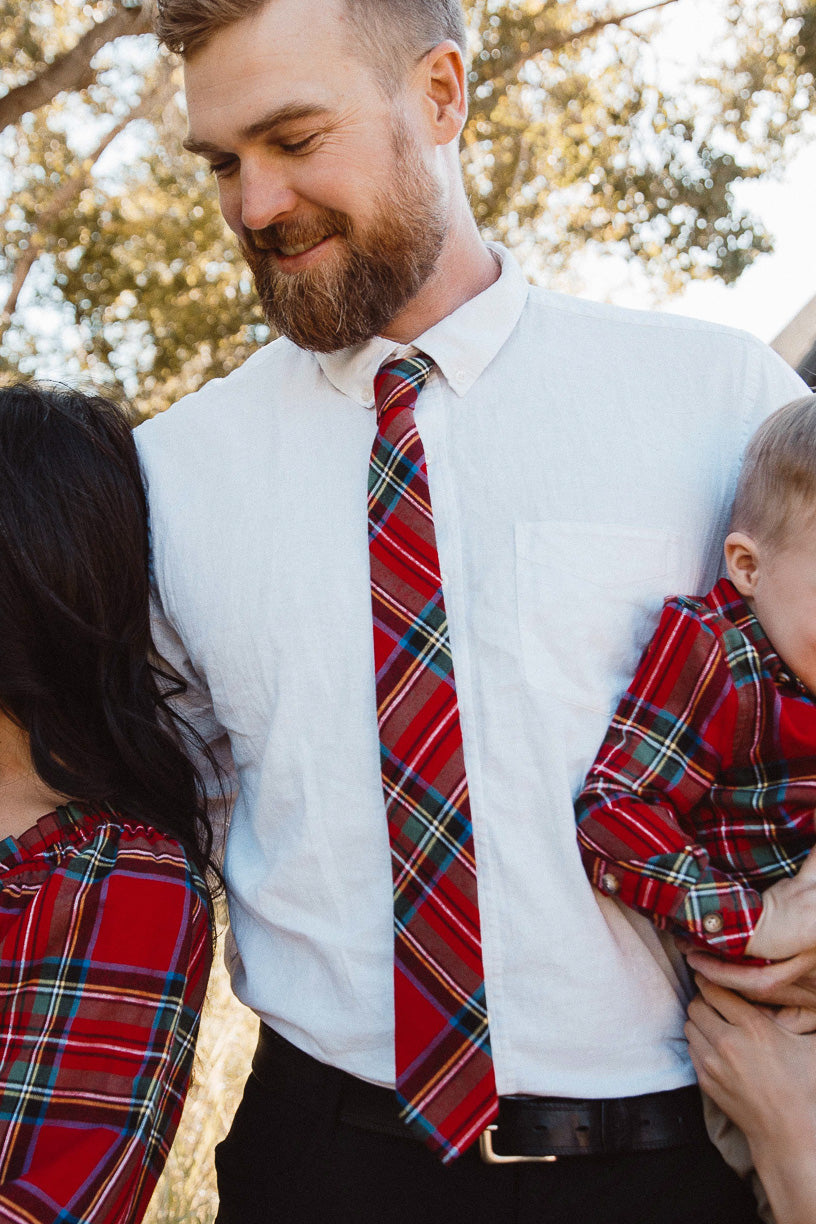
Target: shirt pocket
[{"x": 589, "y": 595}]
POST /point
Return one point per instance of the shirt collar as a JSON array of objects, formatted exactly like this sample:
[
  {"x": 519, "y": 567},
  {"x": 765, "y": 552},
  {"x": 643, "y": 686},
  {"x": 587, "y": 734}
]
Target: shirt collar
[
  {"x": 726, "y": 599},
  {"x": 462, "y": 345}
]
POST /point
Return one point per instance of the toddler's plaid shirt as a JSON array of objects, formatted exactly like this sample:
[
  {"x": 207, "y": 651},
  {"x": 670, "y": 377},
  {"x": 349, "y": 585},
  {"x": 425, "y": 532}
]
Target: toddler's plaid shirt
[
  {"x": 104, "y": 957},
  {"x": 704, "y": 789}
]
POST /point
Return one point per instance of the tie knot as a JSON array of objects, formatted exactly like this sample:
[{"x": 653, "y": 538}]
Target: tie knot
[{"x": 397, "y": 384}]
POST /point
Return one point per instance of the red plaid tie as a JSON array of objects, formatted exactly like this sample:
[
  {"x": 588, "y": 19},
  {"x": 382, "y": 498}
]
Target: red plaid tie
[{"x": 445, "y": 1083}]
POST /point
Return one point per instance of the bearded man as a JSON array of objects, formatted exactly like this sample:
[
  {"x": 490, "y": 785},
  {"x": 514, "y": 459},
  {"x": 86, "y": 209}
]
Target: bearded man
[{"x": 411, "y": 683}]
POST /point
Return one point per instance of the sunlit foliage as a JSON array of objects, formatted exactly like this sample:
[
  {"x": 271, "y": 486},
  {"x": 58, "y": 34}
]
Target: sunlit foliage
[{"x": 115, "y": 264}]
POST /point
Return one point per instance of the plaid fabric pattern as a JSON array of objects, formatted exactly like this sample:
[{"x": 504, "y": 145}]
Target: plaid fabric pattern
[
  {"x": 704, "y": 790},
  {"x": 445, "y": 1083},
  {"x": 104, "y": 958}
]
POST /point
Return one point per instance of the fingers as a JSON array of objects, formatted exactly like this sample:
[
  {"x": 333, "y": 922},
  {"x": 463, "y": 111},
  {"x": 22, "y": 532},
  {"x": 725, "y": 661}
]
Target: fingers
[
  {"x": 706, "y": 1018},
  {"x": 715, "y": 1009},
  {"x": 760, "y": 1068},
  {"x": 747, "y": 979},
  {"x": 709, "y": 1038},
  {"x": 702, "y": 1054},
  {"x": 798, "y": 1020},
  {"x": 727, "y": 1037},
  {"x": 733, "y": 1008},
  {"x": 789, "y": 982}
]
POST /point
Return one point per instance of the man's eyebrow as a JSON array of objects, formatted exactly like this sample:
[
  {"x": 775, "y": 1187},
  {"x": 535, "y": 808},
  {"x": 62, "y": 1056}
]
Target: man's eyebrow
[{"x": 261, "y": 127}]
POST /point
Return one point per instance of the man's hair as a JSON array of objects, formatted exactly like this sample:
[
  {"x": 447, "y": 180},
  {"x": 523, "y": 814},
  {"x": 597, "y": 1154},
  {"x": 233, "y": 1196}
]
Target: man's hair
[
  {"x": 387, "y": 33},
  {"x": 777, "y": 485}
]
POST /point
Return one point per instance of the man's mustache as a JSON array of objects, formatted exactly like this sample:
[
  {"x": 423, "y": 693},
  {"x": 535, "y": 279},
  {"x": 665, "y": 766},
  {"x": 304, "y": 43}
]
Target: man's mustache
[{"x": 297, "y": 233}]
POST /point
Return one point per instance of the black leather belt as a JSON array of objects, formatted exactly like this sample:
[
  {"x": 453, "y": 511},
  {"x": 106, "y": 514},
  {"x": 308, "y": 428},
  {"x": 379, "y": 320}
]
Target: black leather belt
[
  {"x": 531, "y": 1128},
  {"x": 527, "y": 1129}
]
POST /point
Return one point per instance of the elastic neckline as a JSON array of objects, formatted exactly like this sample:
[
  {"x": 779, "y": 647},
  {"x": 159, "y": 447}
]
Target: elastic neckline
[{"x": 69, "y": 822}]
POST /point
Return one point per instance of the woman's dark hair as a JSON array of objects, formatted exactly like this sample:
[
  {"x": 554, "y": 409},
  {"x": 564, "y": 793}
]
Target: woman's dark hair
[{"x": 75, "y": 647}]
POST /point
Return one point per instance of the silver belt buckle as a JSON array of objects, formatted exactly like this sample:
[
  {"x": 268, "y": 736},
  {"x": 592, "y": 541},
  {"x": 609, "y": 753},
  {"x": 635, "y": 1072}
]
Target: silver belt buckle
[{"x": 493, "y": 1158}]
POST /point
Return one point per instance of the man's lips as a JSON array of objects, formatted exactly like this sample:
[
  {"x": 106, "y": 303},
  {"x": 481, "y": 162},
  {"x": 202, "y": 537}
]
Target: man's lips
[{"x": 270, "y": 242}]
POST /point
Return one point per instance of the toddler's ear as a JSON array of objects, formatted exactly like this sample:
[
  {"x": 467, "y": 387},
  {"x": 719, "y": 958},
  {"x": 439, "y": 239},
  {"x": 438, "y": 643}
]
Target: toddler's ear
[{"x": 742, "y": 562}]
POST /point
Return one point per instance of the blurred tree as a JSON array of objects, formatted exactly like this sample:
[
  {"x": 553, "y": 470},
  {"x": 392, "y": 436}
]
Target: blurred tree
[
  {"x": 69, "y": 69},
  {"x": 571, "y": 145},
  {"x": 769, "y": 85}
]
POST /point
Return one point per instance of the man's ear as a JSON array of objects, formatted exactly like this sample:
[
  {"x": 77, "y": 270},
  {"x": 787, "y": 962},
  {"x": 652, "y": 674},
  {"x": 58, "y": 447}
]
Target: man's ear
[
  {"x": 742, "y": 562},
  {"x": 445, "y": 91}
]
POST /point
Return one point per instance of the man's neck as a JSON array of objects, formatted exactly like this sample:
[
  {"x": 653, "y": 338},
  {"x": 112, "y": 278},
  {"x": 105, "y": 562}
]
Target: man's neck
[{"x": 465, "y": 269}]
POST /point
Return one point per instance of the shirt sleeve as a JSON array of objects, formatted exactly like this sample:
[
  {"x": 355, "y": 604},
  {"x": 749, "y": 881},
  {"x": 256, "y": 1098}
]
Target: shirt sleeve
[
  {"x": 775, "y": 383},
  {"x": 194, "y": 706},
  {"x": 670, "y": 738},
  {"x": 102, "y": 979}
]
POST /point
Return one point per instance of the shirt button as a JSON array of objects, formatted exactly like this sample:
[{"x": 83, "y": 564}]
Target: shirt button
[
  {"x": 713, "y": 924},
  {"x": 461, "y": 376},
  {"x": 443, "y": 578},
  {"x": 610, "y": 883}
]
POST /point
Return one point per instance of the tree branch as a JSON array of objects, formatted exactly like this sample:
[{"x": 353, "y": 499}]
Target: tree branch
[
  {"x": 73, "y": 187},
  {"x": 72, "y": 70},
  {"x": 551, "y": 42}
]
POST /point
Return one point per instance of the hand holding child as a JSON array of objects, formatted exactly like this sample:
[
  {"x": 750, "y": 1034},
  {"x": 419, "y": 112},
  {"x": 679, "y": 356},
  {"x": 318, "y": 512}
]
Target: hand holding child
[
  {"x": 762, "y": 1073},
  {"x": 790, "y": 984}
]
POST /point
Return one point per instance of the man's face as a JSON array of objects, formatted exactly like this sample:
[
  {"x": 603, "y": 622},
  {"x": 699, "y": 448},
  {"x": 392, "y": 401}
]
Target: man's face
[{"x": 320, "y": 177}]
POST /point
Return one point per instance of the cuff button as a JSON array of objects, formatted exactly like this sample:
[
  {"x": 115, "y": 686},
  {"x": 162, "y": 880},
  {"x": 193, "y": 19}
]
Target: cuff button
[
  {"x": 713, "y": 924},
  {"x": 610, "y": 883}
]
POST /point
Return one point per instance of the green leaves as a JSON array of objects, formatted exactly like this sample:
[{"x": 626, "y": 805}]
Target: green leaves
[{"x": 114, "y": 260}]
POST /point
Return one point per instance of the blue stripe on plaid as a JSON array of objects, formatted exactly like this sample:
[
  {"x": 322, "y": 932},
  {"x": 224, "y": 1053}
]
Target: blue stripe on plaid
[
  {"x": 388, "y": 475},
  {"x": 437, "y": 832},
  {"x": 426, "y": 640}
]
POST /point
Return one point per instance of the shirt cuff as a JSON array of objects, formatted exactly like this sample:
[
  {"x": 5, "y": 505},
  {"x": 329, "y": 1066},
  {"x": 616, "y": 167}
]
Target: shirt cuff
[{"x": 714, "y": 912}]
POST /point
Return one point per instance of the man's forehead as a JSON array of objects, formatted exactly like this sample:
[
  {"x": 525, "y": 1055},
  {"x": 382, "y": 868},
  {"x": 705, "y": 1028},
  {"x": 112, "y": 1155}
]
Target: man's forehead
[
  {"x": 280, "y": 32},
  {"x": 264, "y": 62}
]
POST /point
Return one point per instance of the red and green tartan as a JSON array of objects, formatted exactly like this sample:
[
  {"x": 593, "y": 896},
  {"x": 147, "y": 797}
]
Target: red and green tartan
[
  {"x": 444, "y": 1068},
  {"x": 703, "y": 792},
  {"x": 104, "y": 956}
]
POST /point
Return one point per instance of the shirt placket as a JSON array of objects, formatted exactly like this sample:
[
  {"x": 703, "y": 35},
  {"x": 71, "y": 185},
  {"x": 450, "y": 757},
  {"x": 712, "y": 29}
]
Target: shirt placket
[{"x": 434, "y": 413}]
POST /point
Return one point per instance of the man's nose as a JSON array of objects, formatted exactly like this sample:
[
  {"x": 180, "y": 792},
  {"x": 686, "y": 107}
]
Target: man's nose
[{"x": 266, "y": 196}]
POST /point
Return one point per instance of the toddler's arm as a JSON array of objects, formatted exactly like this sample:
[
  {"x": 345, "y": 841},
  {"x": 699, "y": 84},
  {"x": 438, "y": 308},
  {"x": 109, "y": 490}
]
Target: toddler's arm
[{"x": 671, "y": 738}]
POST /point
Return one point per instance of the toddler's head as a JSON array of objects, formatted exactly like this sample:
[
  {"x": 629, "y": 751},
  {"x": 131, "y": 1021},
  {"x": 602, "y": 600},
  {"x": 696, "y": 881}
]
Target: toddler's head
[{"x": 770, "y": 552}]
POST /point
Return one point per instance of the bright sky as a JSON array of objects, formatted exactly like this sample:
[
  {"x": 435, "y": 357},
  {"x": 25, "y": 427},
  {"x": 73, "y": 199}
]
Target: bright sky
[{"x": 774, "y": 289}]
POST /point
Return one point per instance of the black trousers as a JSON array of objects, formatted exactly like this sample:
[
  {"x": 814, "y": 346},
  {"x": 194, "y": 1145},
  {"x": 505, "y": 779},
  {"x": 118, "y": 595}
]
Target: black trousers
[{"x": 289, "y": 1162}]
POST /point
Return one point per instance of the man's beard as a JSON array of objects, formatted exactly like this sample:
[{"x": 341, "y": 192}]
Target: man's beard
[{"x": 353, "y": 294}]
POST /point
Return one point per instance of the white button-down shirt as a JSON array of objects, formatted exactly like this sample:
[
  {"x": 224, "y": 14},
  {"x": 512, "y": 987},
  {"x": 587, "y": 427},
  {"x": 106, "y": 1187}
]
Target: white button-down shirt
[{"x": 582, "y": 460}]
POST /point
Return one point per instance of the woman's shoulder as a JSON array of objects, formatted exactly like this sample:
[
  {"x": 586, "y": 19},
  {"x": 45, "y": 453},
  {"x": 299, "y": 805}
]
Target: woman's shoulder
[
  {"x": 88, "y": 845},
  {"x": 120, "y": 889}
]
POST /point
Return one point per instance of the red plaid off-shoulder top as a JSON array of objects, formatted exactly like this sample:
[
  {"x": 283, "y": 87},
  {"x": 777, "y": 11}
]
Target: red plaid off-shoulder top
[{"x": 104, "y": 957}]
